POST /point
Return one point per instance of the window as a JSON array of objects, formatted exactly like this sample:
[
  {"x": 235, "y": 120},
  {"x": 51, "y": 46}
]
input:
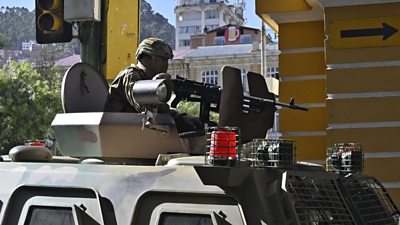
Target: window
[
  {"x": 245, "y": 39},
  {"x": 189, "y": 29},
  {"x": 40, "y": 215},
  {"x": 211, "y": 14},
  {"x": 211, "y": 27},
  {"x": 183, "y": 30},
  {"x": 184, "y": 219},
  {"x": 190, "y": 16},
  {"x": 219, "y": 40},
  {"x": 210, "y": 77},
  {"x": 271, "y": 71},
  {"x": 183, "y": 43}
]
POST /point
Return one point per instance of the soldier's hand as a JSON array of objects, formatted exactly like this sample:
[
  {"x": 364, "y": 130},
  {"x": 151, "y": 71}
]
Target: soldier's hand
[
  {"x": 185, "y": 123},
  {"x": 162, "y": 76},
  {"x": 193, "y": 122}
]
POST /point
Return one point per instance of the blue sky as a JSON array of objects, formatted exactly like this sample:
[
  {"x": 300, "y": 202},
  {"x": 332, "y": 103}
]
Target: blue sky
[{"x": 164, "y": 7}]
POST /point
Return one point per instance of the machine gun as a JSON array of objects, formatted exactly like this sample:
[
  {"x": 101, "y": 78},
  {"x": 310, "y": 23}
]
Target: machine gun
[{"x": 209, "y": 96}]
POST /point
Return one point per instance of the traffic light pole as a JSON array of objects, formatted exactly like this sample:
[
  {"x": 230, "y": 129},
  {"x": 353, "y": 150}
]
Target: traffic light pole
[
  {"x": 93, "y": 40},
  {"x": 90, "y": 37}
]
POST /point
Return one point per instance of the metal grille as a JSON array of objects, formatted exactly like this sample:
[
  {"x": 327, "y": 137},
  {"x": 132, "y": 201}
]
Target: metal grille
[
  {"x": 317, "y": 201},
  {"x": 372, "y": 201},
  {"x": 273, "y": 153}
]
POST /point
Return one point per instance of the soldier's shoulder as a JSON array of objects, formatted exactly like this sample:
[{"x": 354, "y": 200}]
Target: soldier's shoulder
[{"x": 133, "y": 71}]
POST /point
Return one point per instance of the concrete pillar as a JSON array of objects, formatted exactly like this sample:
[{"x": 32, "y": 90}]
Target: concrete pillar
[{"x": 302, "y": 72}]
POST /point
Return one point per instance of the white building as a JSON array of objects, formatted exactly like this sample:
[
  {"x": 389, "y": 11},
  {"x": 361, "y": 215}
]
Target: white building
[
  {"x": 26, "y": 45},
  {"x": 30, "y": 46},
  {"x": 198, "y": 16}
]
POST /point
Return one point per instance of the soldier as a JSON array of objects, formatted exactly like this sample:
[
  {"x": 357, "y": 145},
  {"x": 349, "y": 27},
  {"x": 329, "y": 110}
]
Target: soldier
[{"x": 152, "y": 55}]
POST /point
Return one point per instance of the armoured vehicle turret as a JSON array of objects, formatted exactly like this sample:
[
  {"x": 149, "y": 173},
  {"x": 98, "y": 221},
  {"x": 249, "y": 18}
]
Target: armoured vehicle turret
[{"x": 126, "y": 168}]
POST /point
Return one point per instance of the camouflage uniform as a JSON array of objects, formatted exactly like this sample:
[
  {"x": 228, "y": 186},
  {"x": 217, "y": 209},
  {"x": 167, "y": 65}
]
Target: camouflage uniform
[{"x": 120, "y": 98}]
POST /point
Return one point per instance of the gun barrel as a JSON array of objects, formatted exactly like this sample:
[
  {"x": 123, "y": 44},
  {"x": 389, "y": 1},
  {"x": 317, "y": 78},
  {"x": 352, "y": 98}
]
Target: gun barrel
[
  {"x": 257, "y": 104},
  {"x": 291, "y": 106}
]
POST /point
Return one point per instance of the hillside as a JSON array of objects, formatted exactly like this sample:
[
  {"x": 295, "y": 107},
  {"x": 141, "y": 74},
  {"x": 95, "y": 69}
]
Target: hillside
[{"x": 17, "y": 24}]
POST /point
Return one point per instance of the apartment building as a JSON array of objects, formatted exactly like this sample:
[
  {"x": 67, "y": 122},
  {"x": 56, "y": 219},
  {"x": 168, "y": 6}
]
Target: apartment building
[{"x": 200, "y": 16}]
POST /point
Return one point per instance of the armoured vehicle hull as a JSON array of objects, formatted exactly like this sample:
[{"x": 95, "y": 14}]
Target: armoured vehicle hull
[{"x": 69, "y": 193}]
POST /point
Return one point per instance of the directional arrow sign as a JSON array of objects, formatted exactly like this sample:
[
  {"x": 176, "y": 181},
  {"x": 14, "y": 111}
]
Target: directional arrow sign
[
  {"x": 365, "y": 32},
  {"x": 386, "y": 31}
]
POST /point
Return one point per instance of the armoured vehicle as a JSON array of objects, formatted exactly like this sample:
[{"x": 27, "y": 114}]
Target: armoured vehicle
[{"x": 126, "y": 168}]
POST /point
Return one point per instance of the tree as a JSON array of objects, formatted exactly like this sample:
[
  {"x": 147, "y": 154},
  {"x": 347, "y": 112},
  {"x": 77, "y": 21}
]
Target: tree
[
  {"x": 193, "y": 109},
  {"x": 17, "y": 24},
  {"x": 155, "y": 25},
  {"x": 28, "y": 104},
  {"x": 4, "y": 41}
]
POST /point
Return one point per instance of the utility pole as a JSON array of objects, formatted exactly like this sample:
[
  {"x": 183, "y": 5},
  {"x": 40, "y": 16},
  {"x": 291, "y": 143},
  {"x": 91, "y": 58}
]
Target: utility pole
[{"x": 263, "y": 57}]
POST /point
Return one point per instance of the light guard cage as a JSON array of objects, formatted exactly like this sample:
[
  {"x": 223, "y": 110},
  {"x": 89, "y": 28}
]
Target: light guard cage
[
  {"x": 223, "y": 146},
  {"x": 345, "y": 158},
  {"x": 273, "y": 153}
]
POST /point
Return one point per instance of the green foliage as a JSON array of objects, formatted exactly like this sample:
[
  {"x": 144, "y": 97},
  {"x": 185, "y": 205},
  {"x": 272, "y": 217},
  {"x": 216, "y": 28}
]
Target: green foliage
[
  {"x": 18, "y": 25},
  {"x": 155, "y": 25},
  {"x": 193, "y": 109},
  {"x": 28, "y": 104},
  {"x": 4, "y": 41}
]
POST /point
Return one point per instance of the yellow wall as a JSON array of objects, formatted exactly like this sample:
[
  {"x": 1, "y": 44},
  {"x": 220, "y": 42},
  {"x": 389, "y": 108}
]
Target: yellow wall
[
  {"x": 276, "y": 6},
  {"x": 310, "y": 33},
  {"x": 364, "y": 109},
  {"x": 374, "y": 139},
  {"x": 308, "y": 148},
  {"x": 122, "y": 36},
  {"x": 301, "y": 64},
  {"x": 371, "y": 79},
  {"x": 304, "y": 90}
]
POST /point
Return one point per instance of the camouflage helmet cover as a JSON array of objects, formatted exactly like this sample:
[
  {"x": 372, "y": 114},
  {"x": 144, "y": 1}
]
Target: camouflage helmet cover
[{"x": 154, "y": 46}]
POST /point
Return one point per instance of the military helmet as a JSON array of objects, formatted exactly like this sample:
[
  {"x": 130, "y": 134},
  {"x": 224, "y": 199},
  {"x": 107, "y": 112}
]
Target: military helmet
[{"x": 154, "y": 46}]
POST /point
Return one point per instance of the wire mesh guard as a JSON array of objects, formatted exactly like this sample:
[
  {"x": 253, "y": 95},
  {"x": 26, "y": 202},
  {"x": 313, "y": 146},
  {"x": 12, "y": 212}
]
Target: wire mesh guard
[
  {"x": 273, "y": 153},
  {"x": 223, "y": 146},
  {"x": 372, "y": 201},
  {"x": 345, "y": 158},
  {"x": 317, "y": 201}
]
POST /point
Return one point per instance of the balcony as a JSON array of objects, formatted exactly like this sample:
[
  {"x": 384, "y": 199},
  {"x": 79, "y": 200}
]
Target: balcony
[{"x": 183, "y": 3}]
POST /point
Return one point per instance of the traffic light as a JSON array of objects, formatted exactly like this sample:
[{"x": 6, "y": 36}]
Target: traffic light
[{"x": 50, "y": 24}]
